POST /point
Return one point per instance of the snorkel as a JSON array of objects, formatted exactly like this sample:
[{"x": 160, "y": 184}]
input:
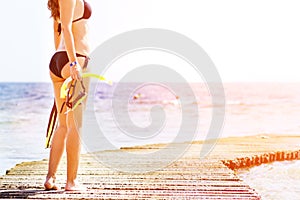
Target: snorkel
[{"x": 66, "y": 90}]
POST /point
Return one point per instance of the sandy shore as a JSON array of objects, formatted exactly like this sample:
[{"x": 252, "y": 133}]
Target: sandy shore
[{"x": 190, "y": 176}]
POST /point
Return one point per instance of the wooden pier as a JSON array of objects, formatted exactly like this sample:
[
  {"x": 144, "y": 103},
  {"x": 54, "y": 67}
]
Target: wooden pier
[{"x": 189, "y": 177}]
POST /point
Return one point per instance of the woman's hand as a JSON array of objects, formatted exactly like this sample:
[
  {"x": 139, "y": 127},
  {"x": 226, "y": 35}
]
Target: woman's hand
[{"x": 76, "y": 72}]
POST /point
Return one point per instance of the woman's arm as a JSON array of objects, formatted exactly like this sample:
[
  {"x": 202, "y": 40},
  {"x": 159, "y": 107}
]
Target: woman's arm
[
  {"x": 66, "y": 16},
  {"x": 56, "y": 34}
]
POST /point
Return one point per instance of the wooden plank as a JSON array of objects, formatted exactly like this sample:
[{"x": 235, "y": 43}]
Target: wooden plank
[{"x": 188, "y": 177}]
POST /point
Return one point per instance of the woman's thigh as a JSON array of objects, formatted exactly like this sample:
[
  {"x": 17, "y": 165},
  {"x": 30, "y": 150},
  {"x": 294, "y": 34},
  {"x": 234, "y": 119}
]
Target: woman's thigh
[{"x": 57, "y": 83}]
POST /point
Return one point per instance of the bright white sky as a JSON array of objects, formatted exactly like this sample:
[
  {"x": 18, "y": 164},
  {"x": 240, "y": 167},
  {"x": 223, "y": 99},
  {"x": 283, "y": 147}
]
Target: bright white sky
[{"x": 257, "y": 40}]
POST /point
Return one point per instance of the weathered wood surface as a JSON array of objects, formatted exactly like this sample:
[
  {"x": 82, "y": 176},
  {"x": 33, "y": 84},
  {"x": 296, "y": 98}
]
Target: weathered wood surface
[{"x": 189, "y": 177}]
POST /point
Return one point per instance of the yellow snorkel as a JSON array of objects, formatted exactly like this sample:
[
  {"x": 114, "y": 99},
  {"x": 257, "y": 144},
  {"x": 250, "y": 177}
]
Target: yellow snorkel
[{"x": 64, "y": 87}]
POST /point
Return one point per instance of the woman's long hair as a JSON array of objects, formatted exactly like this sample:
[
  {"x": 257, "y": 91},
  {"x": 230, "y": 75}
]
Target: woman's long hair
[{"x": 53, "y": 6}]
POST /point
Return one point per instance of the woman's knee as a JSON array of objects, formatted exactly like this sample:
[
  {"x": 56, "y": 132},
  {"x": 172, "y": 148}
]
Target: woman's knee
[
  {"x": 73, "y": 130},
  {"x": 60, "y": 133},
  {"x": 62, "y": 129}
]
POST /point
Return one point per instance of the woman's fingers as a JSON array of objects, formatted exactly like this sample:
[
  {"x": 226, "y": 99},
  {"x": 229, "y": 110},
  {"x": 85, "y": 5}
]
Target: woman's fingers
[
  {"x": 75, "y": 72},
  {"x": 78, "y": 73}
]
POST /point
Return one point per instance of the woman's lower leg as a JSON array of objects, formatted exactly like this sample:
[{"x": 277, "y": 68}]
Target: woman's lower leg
[
  {"x": 73, "y": 155},
  {"x": 56, "y": 152}
]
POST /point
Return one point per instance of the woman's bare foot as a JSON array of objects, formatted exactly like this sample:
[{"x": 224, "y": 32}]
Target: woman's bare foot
[
  {"x": 74, "y": 187},
  {"x": 50, "y": 184}
]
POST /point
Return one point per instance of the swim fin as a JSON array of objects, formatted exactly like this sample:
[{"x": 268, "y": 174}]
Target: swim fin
[{"x": 51, "y": 125}]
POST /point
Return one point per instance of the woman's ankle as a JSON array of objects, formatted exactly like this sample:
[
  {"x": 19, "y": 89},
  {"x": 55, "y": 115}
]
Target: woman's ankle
[
  {"x": 51, "y": 177},
  {"x": 50, "y": 183},
  {"x": 74, "y": 186}
]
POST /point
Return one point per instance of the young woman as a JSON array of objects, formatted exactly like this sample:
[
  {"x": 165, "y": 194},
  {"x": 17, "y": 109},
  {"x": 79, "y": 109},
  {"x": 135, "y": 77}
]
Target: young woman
[{"x": 72, "y": 50}]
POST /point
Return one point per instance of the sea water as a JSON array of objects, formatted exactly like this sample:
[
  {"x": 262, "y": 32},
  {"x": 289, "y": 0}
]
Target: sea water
[
  {"x": 251, "y": 109},
  {"x": 24, "y": 109},
  {"x": 276, "y": 181}
]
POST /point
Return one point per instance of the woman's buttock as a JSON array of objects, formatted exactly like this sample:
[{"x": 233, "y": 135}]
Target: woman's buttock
[{"x": 59, "y": 60}]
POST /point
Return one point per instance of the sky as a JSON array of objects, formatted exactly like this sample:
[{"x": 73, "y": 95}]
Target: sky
[{"x": 255, "y": 40}]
